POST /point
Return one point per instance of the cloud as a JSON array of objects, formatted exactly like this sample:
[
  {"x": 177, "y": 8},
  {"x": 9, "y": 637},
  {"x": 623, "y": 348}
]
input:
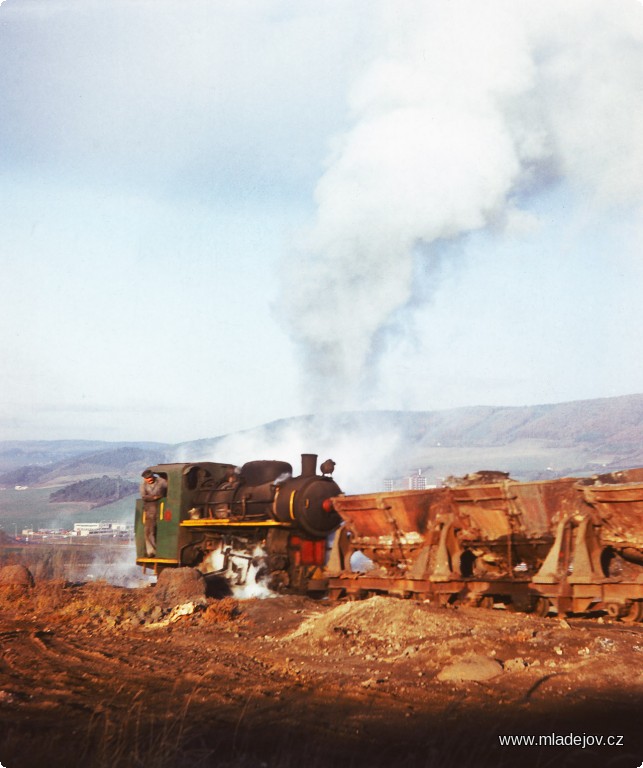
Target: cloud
[{"x": 180, "y": 98}]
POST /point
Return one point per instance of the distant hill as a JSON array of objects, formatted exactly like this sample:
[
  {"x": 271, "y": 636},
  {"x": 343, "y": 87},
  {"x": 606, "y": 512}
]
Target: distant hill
[
  {"x": 609, "y": 423},
  {"x": 98, "y": 491},
  {"x": 20, "y": 453},
  {"x": 113, "y": 459},
  {"x": 529, "y": 442}
]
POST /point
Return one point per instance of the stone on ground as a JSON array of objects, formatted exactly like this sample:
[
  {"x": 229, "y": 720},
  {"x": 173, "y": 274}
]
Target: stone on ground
[
  {"x": 473, "y": 668},
  {"x": 176, "y": 586}
]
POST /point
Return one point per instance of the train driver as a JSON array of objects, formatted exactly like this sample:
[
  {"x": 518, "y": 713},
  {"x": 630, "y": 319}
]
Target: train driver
[{"x": 153, "y": 489}]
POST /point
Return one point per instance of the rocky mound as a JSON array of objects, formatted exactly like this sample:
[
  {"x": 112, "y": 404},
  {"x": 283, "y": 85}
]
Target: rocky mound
[
  {"x": 452, "y": 646},
  {"x": 15, "y": 576},
  {"x": 376, "y": 620}
]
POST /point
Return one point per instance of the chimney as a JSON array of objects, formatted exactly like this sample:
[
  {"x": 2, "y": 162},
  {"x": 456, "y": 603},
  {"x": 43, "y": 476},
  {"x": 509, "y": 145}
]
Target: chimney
[{"x": 308, "y": 464}]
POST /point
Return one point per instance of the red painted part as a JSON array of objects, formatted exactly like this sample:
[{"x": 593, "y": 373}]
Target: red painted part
[{"x": 308, "y": 552}]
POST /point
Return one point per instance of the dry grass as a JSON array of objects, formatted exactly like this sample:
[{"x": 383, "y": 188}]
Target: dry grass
[{"x": 106, "y": 741}]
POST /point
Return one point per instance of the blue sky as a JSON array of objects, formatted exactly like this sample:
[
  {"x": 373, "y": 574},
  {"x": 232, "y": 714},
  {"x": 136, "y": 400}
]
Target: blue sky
[{"x": 214, "y": 215}]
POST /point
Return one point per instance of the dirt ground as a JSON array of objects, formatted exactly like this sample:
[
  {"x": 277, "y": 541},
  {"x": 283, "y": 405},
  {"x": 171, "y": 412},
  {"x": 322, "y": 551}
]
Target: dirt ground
[{"x": 96, "y": 675}]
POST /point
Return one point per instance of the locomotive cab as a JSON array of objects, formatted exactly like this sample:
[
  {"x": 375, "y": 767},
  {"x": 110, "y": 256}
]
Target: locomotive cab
[{"x": 183, "y": 483}]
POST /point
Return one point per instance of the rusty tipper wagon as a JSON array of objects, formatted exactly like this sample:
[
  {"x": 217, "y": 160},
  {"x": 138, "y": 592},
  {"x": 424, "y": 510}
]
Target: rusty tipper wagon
[{"x": 569, "y": 545}]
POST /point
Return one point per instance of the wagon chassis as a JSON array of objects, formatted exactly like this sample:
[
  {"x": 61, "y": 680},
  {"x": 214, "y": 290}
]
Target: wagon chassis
[{"x": 622, "y": 600}]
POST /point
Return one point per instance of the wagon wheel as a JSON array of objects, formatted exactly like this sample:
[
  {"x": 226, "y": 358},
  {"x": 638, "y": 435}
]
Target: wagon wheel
[
  {"x": 613, "y": 610},
  {"x": 487, "y": 601},
  {"x": 542, "y": 606},
  {"x": 633, "y": 613}
]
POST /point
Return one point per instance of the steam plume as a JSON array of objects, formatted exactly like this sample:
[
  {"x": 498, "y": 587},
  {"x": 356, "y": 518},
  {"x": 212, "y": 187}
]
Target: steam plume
[{"x": 471, "y": 111}]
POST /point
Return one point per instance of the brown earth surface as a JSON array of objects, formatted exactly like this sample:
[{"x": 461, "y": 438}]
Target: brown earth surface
[{"x": 96, "y": 675}]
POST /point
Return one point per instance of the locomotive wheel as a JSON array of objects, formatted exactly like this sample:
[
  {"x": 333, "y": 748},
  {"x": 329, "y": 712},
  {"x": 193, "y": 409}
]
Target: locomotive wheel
[
  {"x": 633, "y": 613},
  {"x": 542, "y": 607}
]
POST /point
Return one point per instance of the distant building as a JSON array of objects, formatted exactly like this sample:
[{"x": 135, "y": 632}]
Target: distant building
[
  {"x": 39, "y": 534},
  {"x": 103, "y": 529},
  {"x": 417, "y": 482},
  {"x": 87, "y": 529},
  {"x": 123, "y": 527},
  {"x": 414, "y": 481}
]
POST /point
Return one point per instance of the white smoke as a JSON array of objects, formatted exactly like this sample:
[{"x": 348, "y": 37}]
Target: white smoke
[
  {"x": 114, "y": 564},
  {"x": 255, "y": 585},
  {"x": 472, "y": 110},
  {"x": 364, "y": 452}
]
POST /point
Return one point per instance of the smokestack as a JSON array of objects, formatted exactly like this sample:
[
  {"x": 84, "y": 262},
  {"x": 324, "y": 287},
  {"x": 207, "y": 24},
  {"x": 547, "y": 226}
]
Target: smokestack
[{"x": 308, "y": 464}]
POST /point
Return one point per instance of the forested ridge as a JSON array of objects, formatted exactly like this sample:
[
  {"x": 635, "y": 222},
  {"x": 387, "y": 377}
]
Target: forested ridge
[{"x": 97, "y": 490}]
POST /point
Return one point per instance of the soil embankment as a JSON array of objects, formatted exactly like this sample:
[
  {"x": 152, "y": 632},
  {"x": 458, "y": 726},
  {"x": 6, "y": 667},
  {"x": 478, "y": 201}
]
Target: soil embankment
[{"x": 97, "y": 675}]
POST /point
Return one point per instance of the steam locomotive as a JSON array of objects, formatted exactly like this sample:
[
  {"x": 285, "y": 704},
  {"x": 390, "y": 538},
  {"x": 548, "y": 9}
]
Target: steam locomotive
[
  {"x": 572, "y": 545},
  {"x": 230, "y": 522}
]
